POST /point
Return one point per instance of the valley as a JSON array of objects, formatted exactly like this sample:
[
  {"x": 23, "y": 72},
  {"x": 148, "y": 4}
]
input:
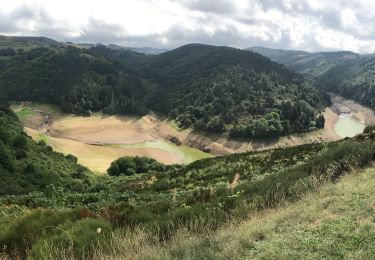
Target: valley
[
  {"x": 99, "y": 139},
  {"x": 199, "y": 152}
]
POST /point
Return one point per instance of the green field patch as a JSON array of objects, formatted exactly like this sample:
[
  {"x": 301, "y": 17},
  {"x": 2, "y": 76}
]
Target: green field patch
[
  {"x": 188, "y": 154},
  {"x": 25, "y": 112}
]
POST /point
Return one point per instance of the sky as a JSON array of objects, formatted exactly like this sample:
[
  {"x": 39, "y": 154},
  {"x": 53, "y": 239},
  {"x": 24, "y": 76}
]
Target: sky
[{"x": 312, "y": 25}]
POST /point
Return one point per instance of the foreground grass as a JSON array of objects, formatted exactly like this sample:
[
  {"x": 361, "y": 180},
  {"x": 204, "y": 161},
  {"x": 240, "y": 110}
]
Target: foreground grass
[{"x": 335, "y": 223}]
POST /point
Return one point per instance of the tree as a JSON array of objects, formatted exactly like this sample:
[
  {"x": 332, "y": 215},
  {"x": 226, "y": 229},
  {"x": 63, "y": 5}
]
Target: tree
[
  {"x": 5, "y": 159},
  {"x": 215, "y": 124},
  {"x": 124, "y": 165},
  {"x": 320, "y": 121},
  {"x": 132, "y": 165}
]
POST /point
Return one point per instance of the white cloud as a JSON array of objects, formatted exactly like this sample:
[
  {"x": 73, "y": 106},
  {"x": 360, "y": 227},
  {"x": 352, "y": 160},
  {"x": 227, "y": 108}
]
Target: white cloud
[{"x": 312, "y": 25}]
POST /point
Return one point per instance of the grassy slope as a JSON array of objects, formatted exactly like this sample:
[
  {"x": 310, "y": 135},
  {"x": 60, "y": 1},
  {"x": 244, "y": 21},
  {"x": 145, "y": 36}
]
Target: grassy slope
[
  {"x": 139, "y": 212},
  {"x": 27, "y": 166},
  {"x": 336, "y": 223}
]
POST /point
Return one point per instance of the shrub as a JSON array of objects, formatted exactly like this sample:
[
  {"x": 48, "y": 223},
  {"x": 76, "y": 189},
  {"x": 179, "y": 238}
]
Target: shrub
[{"x": 132, "y": 165}]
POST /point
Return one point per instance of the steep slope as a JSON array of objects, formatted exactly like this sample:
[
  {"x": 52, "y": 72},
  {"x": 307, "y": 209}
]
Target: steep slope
[
  {"x": 26, "y": 166},
  {"x": 355, "y": 81},
  {"x": 336, "y": 223},
  {"x": 348, "y": 74},
  {"x": 220, "y": 88},
  {"x": 77, "y": 80}
]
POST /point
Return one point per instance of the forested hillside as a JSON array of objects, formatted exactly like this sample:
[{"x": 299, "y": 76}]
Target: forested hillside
[
  {"x": 216, "y": 89},
  {"x": 220, "y": 88},
  {"x": 348, "y": 74},
  {"x": 352, "y": 80},
  {"x": 75, "y": 79},
  {"x": 311, "y": 65},
  {"x": 26, "y": 166}
]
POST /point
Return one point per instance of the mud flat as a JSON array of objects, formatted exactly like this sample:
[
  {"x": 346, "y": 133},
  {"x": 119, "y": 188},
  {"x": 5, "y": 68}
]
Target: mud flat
[{"x": 98, "y": 140}]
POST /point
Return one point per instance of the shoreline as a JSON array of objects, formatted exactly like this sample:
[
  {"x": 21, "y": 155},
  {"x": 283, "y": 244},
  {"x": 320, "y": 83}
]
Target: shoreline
[
  {"x": 89, "y": 137},
  {"x": 364, "y": 114}
]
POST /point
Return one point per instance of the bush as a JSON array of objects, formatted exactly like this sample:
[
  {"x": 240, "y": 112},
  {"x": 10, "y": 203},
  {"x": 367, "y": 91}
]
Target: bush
[{"x": 133, "y": 165}]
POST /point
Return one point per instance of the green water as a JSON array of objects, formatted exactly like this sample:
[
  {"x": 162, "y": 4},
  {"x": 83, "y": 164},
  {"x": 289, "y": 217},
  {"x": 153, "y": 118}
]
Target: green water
[
  {"x": 187, "y": 154},
  {"x": 348, "y": 126}
]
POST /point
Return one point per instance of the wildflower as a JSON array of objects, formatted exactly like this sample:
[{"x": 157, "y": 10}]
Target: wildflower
[{"x": 98, "y": 230}]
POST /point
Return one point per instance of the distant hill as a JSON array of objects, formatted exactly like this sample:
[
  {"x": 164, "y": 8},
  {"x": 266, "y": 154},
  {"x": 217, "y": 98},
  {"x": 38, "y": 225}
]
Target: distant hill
[
  {"x": 311, "y": 65},
  {"x": 346, "y": 73},
  {"x": 19, "y": 42},
  {"x": 279, "y": 55},
  {"x": 143, "y": 50},
  {"x": 352, "y": 80}
]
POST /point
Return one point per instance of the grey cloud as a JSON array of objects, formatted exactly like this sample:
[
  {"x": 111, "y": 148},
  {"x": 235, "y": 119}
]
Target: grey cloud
[
  {"x": 217, "y": 6},
  {"x": 221, "y": 16},
  {"x": 98, "y": 30},
  {"x": 44, "y": 24}
]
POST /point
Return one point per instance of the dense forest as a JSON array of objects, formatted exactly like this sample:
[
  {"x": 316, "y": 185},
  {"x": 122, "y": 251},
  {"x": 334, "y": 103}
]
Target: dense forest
[
  {"x": 355, "y": 80},
  {"x": 75, "y": 79},
  {"x": 217, "y": 89},
  {"x": 53, "y": 204},
  {"x": 225, "y": 89},
  {"x": 348, "y": 74}
]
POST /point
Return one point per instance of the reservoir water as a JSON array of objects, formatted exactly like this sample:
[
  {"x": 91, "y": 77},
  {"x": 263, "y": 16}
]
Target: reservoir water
[
  {"x": 188, "y": 154},
  {"x": 348, "y": 126}
]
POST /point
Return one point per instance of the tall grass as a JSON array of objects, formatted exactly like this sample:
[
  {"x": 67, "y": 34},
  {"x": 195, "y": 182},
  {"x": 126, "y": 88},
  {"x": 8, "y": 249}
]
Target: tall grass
[{"x": 161, "y": 217}]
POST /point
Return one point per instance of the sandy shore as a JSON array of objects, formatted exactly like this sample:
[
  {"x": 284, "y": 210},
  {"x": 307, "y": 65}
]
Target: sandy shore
[
  {"x": 97, "y": 157},
  {"x": 364, "y": 114}
]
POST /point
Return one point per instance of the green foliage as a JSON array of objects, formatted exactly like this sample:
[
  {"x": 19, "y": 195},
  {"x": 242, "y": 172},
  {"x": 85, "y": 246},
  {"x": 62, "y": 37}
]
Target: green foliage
[
  {"x": 219, "y": 88},
  {"x": 209, "y": 88},
  {"x": 354, "y": 80},
  {"x": 26, "y": 166},
  {"x": 134, "y": 165},
  {"x": 196, "y": 197},
  {"x": 82, "y": 236},
  {"x": 77, "y": 80},
  {"x": 27, "y": 229},
  {"x": 7, "y": 52}
]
